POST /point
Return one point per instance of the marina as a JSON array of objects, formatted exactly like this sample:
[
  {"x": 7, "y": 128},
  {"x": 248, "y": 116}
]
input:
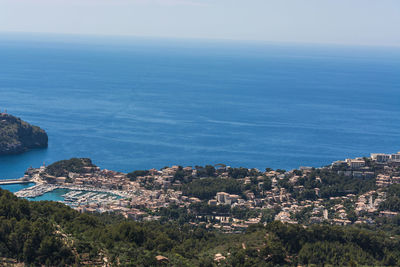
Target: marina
[
  {"x": 35, "y": 191},
  {"x": 77, "y": 198},
  {"x": 71, "y": 195}
]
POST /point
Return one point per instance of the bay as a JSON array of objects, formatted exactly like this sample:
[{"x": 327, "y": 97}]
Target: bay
[{"x": 131, "y": 103}]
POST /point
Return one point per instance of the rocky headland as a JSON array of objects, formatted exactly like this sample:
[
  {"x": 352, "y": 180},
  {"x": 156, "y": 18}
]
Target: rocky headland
[{"x": 18, "y": 136}]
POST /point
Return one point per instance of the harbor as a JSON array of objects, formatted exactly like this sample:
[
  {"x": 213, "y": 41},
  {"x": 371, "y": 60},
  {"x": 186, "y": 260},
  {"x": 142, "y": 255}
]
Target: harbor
[
  {"x": 77, "y": 198},
  {"x": 35, "y": 191},
  {"x": 73, "y": 196}
]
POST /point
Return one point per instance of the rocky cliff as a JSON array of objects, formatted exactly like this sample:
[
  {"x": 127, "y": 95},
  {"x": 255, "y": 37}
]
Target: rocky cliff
[{"x": 17, "y": 136}]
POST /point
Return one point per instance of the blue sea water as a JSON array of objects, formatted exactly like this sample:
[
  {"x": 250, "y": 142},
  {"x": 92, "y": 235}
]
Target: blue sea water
[
  {"x": 16, "y": 187},
  {"x": 141, "y": 103}
]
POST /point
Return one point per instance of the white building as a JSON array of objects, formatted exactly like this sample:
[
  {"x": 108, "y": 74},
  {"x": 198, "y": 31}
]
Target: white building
[{"x": 356, "y": 163}]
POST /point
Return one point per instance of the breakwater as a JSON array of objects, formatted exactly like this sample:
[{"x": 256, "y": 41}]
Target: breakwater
[{"x": 14, "y": 181}]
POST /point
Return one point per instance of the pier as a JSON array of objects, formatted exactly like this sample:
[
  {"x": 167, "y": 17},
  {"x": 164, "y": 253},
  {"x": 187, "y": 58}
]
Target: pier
[{"x": 14, "y": 181}]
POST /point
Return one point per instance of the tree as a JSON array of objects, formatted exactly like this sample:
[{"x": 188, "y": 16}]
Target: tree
[{"x": 274, "y": 250}]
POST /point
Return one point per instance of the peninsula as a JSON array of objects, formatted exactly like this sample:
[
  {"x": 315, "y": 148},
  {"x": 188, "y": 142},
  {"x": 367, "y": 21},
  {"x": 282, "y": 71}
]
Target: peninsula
[{"x": 18, "y": 136}]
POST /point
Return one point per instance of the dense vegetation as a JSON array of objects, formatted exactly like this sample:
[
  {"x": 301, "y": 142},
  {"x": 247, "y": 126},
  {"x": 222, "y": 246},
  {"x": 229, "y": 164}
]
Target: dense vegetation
[
  {"x": 329, "y": 183},
  {"x": 208, "y": 182},
  {"x": 28, "y": 231},
  {"x": 133, "y": 175},
  {"x": 392, "y": 201},
  {"x": 207, "y": 188},
  {"x": 63, "y": 167},
  {"x": 17, "y": 136},
  {"x": 54, "y": 235}
]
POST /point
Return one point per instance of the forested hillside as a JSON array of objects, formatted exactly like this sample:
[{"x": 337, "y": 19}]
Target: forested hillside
[{"x": 55, "y": 235}]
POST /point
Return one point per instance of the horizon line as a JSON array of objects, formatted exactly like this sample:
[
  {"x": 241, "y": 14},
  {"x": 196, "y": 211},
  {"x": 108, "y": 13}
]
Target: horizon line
[{"x": 230, "y": 40}]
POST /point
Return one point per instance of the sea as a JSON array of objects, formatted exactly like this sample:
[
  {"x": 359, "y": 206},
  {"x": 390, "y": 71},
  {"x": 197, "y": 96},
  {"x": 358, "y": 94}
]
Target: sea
[{"x": 139, "y": 103}]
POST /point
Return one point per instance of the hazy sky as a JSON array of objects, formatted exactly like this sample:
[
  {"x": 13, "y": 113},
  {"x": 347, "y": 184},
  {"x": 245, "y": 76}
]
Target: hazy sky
[{"x": 368, "y": 22}]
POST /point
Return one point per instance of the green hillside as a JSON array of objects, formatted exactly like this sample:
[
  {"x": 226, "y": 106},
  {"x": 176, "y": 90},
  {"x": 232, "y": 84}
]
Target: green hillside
[{"x": 52, "y": 234}]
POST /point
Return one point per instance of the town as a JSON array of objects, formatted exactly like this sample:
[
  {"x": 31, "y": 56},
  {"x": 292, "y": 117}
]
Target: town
[{"x": 346, "y": 192}]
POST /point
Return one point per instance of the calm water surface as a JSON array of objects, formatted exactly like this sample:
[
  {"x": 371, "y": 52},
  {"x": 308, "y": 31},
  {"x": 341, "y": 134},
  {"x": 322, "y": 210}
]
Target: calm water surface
[{"x": 137, "y": 104}]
